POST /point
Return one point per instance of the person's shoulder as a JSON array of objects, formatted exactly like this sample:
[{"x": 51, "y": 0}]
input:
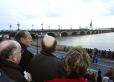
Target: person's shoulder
[
  {"x": 54, "y": 59},
  {"x": 27, "y": 52}
]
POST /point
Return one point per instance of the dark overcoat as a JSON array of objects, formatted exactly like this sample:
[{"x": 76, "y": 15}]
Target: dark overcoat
[
  {"x": 26, "y": 58},
  {"x": 46, "y": 66},
  {"x": 12, "y": 70}
]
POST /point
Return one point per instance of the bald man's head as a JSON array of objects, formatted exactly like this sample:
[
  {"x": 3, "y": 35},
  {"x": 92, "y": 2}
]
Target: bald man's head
[
  {"x": 10, "y": 49},
  {"x": 48, "y": 43}
]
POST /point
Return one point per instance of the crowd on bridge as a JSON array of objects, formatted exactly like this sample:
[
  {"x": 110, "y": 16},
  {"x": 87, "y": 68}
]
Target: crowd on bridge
[{"x": 18, "y": 64}]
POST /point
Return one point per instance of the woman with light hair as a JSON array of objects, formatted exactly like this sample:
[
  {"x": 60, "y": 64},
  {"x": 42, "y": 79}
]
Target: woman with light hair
[{"x": 76, "y": 63}]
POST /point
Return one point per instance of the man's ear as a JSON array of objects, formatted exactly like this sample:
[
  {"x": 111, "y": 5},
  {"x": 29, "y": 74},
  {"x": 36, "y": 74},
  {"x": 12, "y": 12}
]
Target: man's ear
[{"x": 12, "y": 58}]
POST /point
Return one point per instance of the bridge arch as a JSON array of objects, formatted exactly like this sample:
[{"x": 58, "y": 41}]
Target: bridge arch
[
  {"x": 64, "y": 34},
  {"x": 82, "y": 33},
  {"x": 99, "y": 31},
  {"x": 51, "y": 34},
  {"x": 88, "y": 32},
  {"x": 74, "y": 33},
  {"x": 93, "y": 32}
]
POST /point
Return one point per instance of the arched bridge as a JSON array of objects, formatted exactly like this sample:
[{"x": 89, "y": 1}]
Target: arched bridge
[{"x": 71, "y": 32}]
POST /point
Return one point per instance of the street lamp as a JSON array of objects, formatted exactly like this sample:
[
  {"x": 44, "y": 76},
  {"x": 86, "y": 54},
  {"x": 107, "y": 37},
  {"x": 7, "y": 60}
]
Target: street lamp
[
  {"x": 42, "y": 26},
  {"x": 36, "y": 38},
  {"x": 42, "y": 30},
  {"x": 10, "y": 30},
  {"x": 10, "y": 26},
  {"x": 37, "y": 41},
  {"x": 18, "y": 25},
  {"x": 32, "y": 27},
  {"x": 59, "y": 26},
  {"x": 71, "y": 27}
]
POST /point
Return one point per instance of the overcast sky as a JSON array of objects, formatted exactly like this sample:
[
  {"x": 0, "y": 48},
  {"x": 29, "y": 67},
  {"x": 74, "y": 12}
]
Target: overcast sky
[{"x": 32, "y": 13}]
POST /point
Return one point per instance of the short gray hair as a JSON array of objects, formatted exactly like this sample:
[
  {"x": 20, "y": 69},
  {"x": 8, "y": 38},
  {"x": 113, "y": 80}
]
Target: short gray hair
[
  {"x": 9, "y": 50},
  {"x": 20, "y": 34}
]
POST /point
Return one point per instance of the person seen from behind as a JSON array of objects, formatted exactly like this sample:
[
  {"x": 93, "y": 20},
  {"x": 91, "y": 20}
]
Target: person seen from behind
[
  {"x": 99, "y": 77},
  {"x": 113, "y": 73},
  {"x": 10, "y": 56},
  {"x": 46, "y": 65},
  {"x": 5, "y": 37},
  {"x": 76, "y": 63}
]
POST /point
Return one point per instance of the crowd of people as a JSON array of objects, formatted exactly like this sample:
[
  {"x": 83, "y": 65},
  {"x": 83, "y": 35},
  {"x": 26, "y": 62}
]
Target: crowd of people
[
  {"x": 18, "y": 64},
  {"x": 102, "y": 53}
]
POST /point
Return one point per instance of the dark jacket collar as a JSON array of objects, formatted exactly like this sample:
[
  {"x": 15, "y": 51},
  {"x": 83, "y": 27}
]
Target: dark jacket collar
[
  {"x": 43, "y": 52},
  {"x": 23, "y": 46},
  {"x": 9, "y": 64}
]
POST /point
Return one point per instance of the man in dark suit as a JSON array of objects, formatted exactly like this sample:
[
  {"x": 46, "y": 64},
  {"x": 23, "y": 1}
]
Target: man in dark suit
[
  {"x": 25, "y": 39},
  {"x": 46, "y": 66}
]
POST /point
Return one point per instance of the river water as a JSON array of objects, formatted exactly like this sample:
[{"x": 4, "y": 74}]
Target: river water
[{"x": 103, "y": 41}]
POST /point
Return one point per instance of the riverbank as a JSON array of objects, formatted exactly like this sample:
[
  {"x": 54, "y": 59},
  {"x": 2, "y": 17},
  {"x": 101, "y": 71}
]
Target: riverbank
[{"x": 101, "y": 53}]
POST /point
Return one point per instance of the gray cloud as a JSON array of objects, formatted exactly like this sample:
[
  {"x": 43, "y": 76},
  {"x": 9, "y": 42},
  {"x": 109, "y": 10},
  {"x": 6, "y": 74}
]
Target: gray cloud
[
  {"x": 12, "y": 11},
  {"x": 56, "y": 12},
  {"x": 111, "y": 11},
  {"x": 108, "y": 7}
]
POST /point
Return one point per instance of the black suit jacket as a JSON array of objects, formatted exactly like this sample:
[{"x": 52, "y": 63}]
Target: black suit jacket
[{"x": 46, "y": 66}]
